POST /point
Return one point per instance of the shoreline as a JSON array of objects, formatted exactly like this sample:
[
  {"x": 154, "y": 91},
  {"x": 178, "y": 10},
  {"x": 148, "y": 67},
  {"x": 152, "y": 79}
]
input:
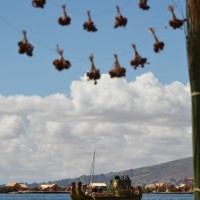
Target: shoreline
[
  {"x": 37, "y": 192},
  {"x": 170, "y": 193},
  {"x": 67, "y": 192}
]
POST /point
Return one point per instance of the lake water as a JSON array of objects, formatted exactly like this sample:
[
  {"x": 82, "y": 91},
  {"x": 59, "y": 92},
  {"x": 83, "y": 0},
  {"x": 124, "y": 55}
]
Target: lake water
[{"x": 67, "y": 197}]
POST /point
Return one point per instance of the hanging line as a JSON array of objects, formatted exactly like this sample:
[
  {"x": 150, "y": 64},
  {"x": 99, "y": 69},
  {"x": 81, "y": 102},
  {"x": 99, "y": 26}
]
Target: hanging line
[
  {"x": 78, "y": 58},
  {"x": 36, "y": 41},
  {"x": 94, "y": 14},
  {"x": 9, "y": 24}
]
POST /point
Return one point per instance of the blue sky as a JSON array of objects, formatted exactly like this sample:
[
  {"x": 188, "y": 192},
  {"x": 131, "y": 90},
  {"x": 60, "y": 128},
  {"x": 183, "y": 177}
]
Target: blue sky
[
  {"x": 37, "y": 76},
  {"x": 51, "y": 121}
]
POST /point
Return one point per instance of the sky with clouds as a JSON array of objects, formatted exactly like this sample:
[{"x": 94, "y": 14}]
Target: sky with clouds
[
  {"x": 130, "y": 124},
  {"x": 51, "y": 122}
]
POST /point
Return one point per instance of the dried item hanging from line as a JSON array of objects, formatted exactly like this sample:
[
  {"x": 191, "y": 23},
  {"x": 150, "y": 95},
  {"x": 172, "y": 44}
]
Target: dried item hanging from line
[
  {"x": 25, "y": 46},
  {"x": 89, "y": 25},
  {"x": 61, "y": 63},
  {"x": 143, "y": 5},
  {"x": 158, "y": 45},
  {"x": 65, "y": 19},
  {"x": 117, "y": 71},
  {"x": 94, "y": 73},
  {"x": 175, "y": 23},
  {"x": 119, "y": 19},
  {"x": 137, "y": 60},
  {"x": 38, "y": 3}
]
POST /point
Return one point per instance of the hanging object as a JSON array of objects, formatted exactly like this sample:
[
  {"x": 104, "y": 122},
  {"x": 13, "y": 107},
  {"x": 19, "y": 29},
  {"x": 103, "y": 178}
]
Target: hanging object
[
  {"x": 38, "y": 3},
  {"x": 158, "y": 45},
  {"x": 89, "y": 25},
  {"x": 25, "y": 46},
  {"x": 117, "y": 71},
  {"x": 137, "y": 60},
  {"x": 65, "y": 19},
  {"x": 61, "y": 63},
  {"x": 143, "y": 5},
  {"x": 175, "y": 23},
  {"x": 94, "y": 73},
  {"x": 120, "y": 20}
]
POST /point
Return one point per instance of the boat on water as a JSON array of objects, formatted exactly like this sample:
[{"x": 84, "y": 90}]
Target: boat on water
[{"x": 119, "y": 189}]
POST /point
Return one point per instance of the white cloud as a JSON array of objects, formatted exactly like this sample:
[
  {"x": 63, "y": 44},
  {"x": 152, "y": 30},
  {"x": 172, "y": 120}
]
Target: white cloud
[{"x": 131, "y": 124}]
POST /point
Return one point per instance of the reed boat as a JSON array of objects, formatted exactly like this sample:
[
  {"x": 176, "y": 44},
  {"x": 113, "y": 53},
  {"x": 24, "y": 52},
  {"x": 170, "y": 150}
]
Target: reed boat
[{"x": 118, "y": 190}]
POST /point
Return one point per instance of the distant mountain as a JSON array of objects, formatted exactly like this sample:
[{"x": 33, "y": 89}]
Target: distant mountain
[{"x": 174, "y": 172}]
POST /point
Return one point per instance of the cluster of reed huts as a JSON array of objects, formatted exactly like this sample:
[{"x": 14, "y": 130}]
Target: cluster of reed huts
[
  {"x": 168, "y": 188},
  {"x": 19, "y": 187},
  {"x": 161, "y": 187}
]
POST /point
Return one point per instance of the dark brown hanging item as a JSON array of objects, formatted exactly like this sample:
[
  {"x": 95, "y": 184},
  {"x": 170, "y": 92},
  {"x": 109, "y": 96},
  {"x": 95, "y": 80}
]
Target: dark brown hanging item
[
  {"x": 25, "y": 46},
  {"x": 61, "y": 63},
  {"x": 65, "y": 19},
  {"x": 175, "y": 23},
  {"x": 94, "y": 73},
  {"x": 157, "y": 45},
  {"x": 137, "y": 60},
  {"x": 89, "y": 25},
  {"x": 143, "y": 5},
  {"x": 120, "y": 20},
  {"x": 38, "y": 3},
  {"x": 117, "y": 71}
]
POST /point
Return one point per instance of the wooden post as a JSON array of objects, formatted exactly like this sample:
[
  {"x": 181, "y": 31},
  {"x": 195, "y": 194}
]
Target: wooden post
[{"x": 193, "y": 53}]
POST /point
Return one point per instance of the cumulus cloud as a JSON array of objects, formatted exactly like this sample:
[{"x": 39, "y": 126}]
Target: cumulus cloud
[{"x": 131, "y": 124}]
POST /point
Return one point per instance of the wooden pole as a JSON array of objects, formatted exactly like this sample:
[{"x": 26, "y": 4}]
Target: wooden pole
[{"x": 193, "y": 53}]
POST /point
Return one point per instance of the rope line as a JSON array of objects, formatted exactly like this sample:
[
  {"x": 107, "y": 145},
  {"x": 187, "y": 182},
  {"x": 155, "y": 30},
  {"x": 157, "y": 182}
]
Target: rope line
[
  {"x": 83, "y": 59},
  {"x": 94, "y": 14},
  {"x": 9, "y": 24}
]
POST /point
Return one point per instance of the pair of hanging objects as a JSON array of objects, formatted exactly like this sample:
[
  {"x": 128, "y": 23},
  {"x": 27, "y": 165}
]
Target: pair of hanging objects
[
  {"x": 119, "y": 19},
  {"x": 24, "y": 46},
  {"x": 64, "y": 20},
  {"x": 93, "y": 74},
  {"x": 143, "y": 5},
  {"x": 38, "y": 3},
  {"x": 89, "y": 25},
  {"x": 117, "y": 71},
  {"x": 158, "y": 45},
  {"x": 61, "y": 63},
  {"x": 137, "y": 60},
  {"x": 175, "y": 23}
]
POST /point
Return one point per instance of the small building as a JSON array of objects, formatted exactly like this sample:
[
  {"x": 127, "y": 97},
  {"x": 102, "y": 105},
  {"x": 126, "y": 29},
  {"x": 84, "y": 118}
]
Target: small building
[
  {"x": 103, "y": 186},
  {"x": 16, "y": 186},
  {"x": 23, "y": 187},
  {"x": 150, "y": 187},
  {"x": 161, "y": 187},
  {"x": 50, "y": 187}
]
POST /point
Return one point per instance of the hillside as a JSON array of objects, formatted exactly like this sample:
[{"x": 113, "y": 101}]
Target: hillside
[{"x": 173, "y": 172}]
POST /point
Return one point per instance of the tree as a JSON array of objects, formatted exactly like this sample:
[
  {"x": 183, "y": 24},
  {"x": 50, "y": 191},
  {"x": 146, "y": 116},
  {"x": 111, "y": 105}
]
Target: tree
[{"x": 193, "y": 53}]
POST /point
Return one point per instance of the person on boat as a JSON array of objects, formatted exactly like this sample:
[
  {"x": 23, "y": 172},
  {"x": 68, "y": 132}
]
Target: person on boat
[
  {"x": 117, "y": 177},
  {"x": 100, "y": 189},
  {"x": 86, "y": 192},
  {"x": 94, "y": 189},
  {"x": 126, "y": 177}
]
